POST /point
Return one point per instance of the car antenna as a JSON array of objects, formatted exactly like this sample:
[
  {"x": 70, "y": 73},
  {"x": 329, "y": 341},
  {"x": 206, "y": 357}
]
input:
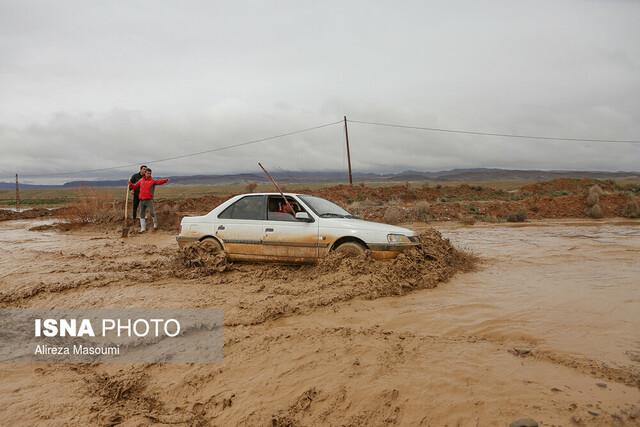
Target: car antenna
[{"x": 278, "y": 188}]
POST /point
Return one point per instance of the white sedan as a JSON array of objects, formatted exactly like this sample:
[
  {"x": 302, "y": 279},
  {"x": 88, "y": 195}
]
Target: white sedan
[{"x": 261, "y": 227}]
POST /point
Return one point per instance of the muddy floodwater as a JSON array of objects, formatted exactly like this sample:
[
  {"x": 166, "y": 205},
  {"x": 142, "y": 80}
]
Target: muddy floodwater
[
  {"x": 570, "y": 288},
  {"x": 567, "y": 286},
  {"x": 546, "y": 327}
]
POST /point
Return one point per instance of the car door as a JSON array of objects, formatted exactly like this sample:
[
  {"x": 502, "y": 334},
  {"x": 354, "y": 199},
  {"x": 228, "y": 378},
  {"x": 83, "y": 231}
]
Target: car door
[
  {"x": 288, "y": 239},
  {"x": 241, "y": 229}
]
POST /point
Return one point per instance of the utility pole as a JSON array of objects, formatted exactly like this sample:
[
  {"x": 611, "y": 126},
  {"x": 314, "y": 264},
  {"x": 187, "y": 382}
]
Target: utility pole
[
  {"x": 346, "y": 136},
  {"x": 17, "y": 195}
]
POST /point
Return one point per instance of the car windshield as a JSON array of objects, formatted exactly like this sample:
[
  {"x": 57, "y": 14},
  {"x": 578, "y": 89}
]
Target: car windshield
[{"x": 325, "y": 208}]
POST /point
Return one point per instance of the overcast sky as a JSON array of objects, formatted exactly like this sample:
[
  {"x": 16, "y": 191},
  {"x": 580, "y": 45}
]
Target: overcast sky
[{"x": 94, "y": 84}]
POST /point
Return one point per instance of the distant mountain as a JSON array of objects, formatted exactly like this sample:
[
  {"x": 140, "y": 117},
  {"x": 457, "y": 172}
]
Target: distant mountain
[
  {"x": 489, "y": 174},
  {"x": 462, "y": 175},
  {"x": 12, "y": 185}
]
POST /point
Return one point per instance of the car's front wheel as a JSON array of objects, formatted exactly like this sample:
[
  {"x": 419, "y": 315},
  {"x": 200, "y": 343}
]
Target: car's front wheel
[{"x": 351, "y": 249}]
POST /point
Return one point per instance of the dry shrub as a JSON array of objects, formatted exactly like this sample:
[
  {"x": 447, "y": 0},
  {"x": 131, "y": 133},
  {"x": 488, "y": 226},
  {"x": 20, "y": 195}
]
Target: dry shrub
[
  {"x": 250, "y": 187},
  {"x": 594, "y": 211},
  {"x": 422, "y": 211},
  {"x": 631, "y": 209},
  {"x": 592, "y": 199},
  {"x": 520, "y": 216},
  {"x": 596, "y": 190},
  {"x": 393, "y": 215},
  {"x": 91, "y": 206},
  {"x": 593, "y": 202}
]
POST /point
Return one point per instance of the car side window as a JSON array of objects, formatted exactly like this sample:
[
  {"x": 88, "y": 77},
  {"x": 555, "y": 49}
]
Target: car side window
[
  {"x": 249, "y": 207},
  {"x": 278, "y": 210}
]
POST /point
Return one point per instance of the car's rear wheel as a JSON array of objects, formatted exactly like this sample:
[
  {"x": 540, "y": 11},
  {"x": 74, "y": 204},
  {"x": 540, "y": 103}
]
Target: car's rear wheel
[
  {"x": 351, "y": 249},
  {"x": 211, "y": 245}
]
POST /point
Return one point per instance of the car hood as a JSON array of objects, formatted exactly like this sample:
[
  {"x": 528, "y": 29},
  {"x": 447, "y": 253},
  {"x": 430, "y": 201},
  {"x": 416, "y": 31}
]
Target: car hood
[{"x": 360, "y": 224}]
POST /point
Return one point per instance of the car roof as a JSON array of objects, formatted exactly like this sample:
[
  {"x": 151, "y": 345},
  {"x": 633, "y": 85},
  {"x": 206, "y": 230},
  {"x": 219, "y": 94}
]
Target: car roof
[{"x": 269, "y": 194}]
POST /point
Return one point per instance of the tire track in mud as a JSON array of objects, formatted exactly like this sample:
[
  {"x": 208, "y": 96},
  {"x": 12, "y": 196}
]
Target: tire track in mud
[
  {"x": 627, "y": 375},
  {"x": 20, "y": 297},
  {"x": 134, "y": 393},
  {"x": 96, "y": 266},
  {"x": 209, "y": 394},
  {"x": 128, "y": 394}
]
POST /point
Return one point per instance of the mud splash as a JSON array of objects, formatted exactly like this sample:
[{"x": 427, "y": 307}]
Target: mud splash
[
  {"x": 272, "y": 291},
  {"x": 434, "y": 260},
  {"x": 249, "y": 293},
  {"x": 200, "y": 259}
]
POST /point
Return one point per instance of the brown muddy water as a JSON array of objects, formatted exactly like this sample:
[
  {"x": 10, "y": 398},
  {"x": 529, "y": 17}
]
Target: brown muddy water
[
  {"x": 547, "y": 327},
  {"x": 567, "y": 286}
]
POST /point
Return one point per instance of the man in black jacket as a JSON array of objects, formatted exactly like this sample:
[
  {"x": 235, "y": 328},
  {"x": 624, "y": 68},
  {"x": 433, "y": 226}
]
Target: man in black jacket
[{"x": 136, "y": 193}]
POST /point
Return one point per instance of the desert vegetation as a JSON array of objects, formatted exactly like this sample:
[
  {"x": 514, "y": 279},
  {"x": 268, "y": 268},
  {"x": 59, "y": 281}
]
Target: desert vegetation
[
  {"x": 394, "y": 204},
  {"x": 593, "y": 209},
  {"x": 631, "y": 209}
]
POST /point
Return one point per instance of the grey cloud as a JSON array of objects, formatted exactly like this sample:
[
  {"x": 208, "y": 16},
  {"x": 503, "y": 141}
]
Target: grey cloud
[{"x": 96, "y": 84}]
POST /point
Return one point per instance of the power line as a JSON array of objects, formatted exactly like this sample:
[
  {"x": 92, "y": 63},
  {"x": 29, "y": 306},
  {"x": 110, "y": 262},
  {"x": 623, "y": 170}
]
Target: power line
[
  {"x": 504, "y": 135},
  {"x": 183, "y": 156},
  {"x": 299, "y": 131}
]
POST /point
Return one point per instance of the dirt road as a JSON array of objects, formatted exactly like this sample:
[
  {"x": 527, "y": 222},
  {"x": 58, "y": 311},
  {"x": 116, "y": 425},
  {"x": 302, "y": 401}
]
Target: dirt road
[{"x": 546, "y": 328}]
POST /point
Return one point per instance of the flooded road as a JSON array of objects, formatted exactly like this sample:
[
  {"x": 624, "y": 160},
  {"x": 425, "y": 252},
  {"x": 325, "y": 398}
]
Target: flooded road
[
  {"x": 573, "y": 288},
  {"x": 547, "y": 327},
  {"x": 567, "y": 286},
  {"x": 563, "y": 294}
]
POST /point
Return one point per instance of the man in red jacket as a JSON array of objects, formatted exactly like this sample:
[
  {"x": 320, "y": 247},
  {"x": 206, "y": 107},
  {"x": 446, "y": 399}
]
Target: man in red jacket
[{"x": 146, "y": 186}]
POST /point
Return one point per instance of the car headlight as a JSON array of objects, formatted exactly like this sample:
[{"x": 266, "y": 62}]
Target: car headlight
[{"x": 395, "y": 239}]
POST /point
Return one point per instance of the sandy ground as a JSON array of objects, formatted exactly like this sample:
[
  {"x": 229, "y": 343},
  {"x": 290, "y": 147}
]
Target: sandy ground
[{"x": 547, "y": 327}]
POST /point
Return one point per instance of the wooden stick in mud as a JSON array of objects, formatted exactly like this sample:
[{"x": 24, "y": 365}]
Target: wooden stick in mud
[
  {"x": 125, "y": 227},
  {"x": 278, "y": 188}
]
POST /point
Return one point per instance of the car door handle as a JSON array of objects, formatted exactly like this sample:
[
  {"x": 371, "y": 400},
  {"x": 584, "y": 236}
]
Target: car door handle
[
  {"x": 269, "y": 230},
  {"x": 221, "y": 227}
]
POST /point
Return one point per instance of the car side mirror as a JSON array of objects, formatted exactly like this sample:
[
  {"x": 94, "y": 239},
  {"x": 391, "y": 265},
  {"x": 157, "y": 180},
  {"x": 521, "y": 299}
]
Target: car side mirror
[{"x": 303, "y": 216}]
